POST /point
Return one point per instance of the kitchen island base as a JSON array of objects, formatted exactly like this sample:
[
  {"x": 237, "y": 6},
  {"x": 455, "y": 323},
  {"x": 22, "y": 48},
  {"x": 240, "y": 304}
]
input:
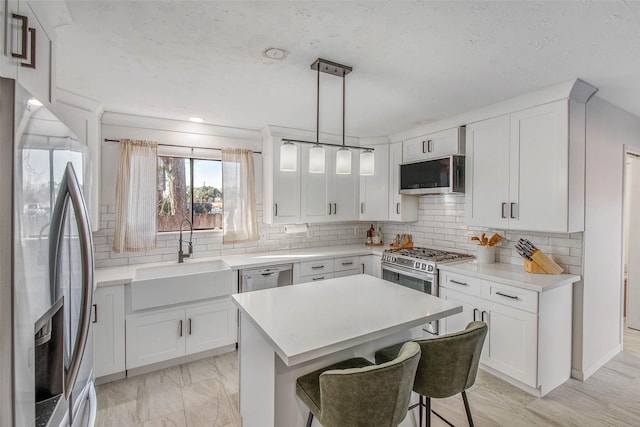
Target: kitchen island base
[{"x": 268, "y": 386}]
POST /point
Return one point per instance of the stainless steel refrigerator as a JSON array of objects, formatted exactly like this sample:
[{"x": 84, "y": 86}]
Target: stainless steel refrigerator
[{"x": 46, "y": 268}]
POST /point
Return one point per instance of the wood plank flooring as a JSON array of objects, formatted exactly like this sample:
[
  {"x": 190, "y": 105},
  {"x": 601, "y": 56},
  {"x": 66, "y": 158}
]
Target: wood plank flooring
[{"x": 205, "y": 394}]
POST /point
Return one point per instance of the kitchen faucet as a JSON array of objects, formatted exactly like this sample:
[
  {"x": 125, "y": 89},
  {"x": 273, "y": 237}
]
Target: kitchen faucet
[{"x": 181, "y": 255}]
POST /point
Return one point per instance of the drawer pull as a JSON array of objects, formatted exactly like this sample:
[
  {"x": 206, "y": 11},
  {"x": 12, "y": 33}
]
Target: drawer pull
[
  {"x": 507, "y": 296},
  {"x": 317, "y": 278},
  {"x": 317, "y": 267},
  {"x": 32, "y": 63},
  {"x": 459, "y": 283},
  {"x": 24, "y": 29},
  {"x": 348, "y": 263}
]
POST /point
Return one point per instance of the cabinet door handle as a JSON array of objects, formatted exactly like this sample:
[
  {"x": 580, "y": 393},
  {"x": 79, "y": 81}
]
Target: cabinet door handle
[
  {"x": 508, "y": 296},
  {"x": 95, "y": 313},
  {"x": 459, "y": 283},
  {"x": 475, "y": 311},
  {"x": 398, "y": 208},
  {"x": 329, "y": 208},
  {"x": 363, "y": 269},
  {"x": 317, "y": 278},
  {"x": 429, "y": 146},
  {"x": 335, "y": 208},
  {"x": 361, "y": 207},
  {"x": 276, "y": 214},
  {"x": 180, "y": 327},
  {"x": 32, "y": 63},
  {"x": 512, "y": 209},
  {"x": 189, "y": 326},
  {"x": 348, "y": 263},
  {"x": 424, "y": 150},
  {"x": 25, "y": 31},
  {"x": 482, "y": 316},
  {"x": 502, "y": 210}
]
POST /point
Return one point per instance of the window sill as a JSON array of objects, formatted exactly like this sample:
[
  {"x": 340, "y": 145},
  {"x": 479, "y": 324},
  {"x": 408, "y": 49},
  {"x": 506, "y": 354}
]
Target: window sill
[{"x": 187, "y": 231}]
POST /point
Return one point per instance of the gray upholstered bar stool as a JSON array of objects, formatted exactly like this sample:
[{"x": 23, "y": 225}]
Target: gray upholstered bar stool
[
  {"x": 448, "y": 366},
  {"x": 357, "y": 393}
]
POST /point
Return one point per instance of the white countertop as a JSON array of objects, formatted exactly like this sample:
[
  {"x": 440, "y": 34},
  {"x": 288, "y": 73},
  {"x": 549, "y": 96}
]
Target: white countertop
[
  {"x": 511, "y": 274},
  {"x": 113, "y": 276},
  {"x": 315, "y": 319}
]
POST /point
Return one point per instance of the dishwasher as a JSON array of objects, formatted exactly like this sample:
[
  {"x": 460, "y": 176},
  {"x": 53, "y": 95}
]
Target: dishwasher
[{"x": 254, "y": 279}]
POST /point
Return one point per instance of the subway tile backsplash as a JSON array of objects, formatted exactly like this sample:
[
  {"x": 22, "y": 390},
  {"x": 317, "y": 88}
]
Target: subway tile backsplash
[
  {"x": 209, "y": 243},
  {"x": 440, "y": 225}
]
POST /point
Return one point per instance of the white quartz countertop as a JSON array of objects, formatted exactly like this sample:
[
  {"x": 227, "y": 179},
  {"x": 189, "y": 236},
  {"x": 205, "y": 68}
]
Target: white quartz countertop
[
  {"x": 311, "y": 320},
  {"x": 511, "y": 274},
  {"x": 113, "y": 276}
]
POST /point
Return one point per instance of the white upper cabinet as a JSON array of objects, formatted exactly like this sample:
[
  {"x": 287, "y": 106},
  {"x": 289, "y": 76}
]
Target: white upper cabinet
[
  {"x": 374, "y": 194},
  {"x": 518, "y": 170},
  {"x": 281, "y": 188},
  {"x": 439, "y": 144},
  {"x": 401, "y": 207},
  {"x": 29, "y": 49},
  {"x": 343, "y": 189}
]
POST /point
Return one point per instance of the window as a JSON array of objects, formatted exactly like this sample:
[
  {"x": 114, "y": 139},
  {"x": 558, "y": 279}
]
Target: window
[{"x": 191, "y": 189}]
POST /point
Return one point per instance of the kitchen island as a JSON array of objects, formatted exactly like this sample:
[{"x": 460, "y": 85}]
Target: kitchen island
[{"x": 289, "y": 331}]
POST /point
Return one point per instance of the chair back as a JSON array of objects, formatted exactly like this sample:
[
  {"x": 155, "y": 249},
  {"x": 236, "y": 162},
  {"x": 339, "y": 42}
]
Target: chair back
[
  {"x": 373, "y": 396},
  {"x": 449, "y": 363}
]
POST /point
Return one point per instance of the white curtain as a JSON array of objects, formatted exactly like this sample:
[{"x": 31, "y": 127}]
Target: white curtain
[
  {"x": 136, "y": 192},
  {"x": 239, "y": 196}
]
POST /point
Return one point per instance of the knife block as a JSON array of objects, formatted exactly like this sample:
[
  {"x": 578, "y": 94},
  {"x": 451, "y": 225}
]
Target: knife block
[{"x": 532, "y": 267}]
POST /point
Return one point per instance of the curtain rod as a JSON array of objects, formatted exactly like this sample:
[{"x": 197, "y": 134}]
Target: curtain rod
[{"x": 181, "y": 146}]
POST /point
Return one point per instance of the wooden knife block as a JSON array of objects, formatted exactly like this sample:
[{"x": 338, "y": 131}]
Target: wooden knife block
[
  {"x": 541, "y": 264},
  {"x": 532, "y": 267}
]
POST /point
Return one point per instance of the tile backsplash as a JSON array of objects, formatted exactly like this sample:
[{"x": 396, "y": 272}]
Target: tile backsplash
[
  {"x": 209, "y": 243},
  {"x": 441, "y": 225}
]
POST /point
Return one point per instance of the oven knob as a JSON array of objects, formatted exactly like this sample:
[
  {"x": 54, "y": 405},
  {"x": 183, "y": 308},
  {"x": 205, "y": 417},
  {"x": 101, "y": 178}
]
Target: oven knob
[{"x": 430, "y": 268}]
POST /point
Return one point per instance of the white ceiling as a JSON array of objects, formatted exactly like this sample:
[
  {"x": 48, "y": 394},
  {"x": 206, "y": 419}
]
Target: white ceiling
[{"x": 413, "y": 62}]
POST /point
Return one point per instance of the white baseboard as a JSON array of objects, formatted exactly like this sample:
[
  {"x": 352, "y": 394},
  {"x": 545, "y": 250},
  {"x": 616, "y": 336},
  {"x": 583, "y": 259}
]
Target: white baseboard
[{"x": 584, "y": 374}]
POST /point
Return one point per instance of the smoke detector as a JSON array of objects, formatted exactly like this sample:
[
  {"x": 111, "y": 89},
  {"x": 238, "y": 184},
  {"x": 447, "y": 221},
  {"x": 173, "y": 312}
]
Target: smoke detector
[{"x": 275, "y": 53}]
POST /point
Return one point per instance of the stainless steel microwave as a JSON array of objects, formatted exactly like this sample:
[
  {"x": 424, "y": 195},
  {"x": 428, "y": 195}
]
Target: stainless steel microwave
[{"x": 437, "y": 176}]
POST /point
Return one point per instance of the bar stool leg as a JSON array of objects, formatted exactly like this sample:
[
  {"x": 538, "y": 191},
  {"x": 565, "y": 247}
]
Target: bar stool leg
[
  {"x": 428, "y": 410},
  {"x": 310, "y": 419},
  {"x": 466, "y": 408},
  {"x": 420, "y": 409}
]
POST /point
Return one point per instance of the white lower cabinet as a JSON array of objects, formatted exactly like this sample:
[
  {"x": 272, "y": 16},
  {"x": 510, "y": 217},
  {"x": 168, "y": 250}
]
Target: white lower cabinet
[
  {"x": 108, "y": 331},
  {"x": 161, "y": 335},
  {"x": 372, "y": 265},
  {"x": 524, "y": 326}
]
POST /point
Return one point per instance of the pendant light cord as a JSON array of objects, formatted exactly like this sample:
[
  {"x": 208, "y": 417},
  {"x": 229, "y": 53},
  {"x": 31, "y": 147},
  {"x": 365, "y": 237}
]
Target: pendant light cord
[{"x": 343, "y": 111}]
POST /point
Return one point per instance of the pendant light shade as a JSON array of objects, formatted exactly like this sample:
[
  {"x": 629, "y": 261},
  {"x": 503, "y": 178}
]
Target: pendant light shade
[
  {"x": 367, "y": 163},
  {"x": 343, "y": 162},
  {"x": 288, "y": 157},
  {"x": 316, "y": 159}
]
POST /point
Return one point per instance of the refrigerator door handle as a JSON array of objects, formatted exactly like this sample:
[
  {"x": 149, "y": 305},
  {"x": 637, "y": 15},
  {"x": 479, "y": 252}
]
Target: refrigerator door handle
[{"x": 70, "y": 190}]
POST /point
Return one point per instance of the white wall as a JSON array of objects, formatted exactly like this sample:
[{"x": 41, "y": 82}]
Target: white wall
[{"x": 598, "y": 301}]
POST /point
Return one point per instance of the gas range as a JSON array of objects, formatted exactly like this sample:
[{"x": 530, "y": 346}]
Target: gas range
[{"x": 421, "y": 259}]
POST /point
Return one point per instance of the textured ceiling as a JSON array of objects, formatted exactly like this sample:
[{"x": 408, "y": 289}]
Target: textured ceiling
[{"x": 413, "y": 62}]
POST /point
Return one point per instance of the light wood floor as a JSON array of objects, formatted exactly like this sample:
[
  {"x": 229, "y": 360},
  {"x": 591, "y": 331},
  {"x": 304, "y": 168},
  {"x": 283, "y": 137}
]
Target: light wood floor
[{"x": 205, "y": 393}]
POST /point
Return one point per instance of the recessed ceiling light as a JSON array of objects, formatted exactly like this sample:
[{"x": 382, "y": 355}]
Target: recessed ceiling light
[
  {"x": 275, "y": 53},
  {"x": 196, "y": 119},
  {"x": 34, "y": 102}
]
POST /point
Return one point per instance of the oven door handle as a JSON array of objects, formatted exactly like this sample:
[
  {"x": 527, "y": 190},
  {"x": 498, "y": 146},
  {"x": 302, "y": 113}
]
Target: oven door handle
[{"x": 415, "y": 275}]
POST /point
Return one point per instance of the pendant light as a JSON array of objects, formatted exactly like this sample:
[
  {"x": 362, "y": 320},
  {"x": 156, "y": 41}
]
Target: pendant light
[
  {"x": 367, "y": 163},
  {"x": 288, "y": 156},
  {"x": 317, "y": 153}
]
